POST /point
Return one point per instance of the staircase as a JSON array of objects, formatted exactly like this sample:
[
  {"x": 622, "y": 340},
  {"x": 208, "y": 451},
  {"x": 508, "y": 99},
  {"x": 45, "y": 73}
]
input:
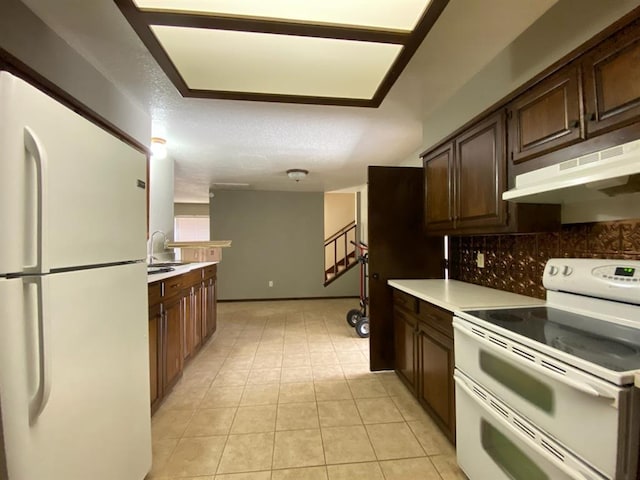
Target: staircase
[{"x": 339, "y": 253}]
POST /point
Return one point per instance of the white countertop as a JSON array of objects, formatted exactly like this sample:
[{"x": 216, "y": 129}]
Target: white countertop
[
  {"x": 454, "y": 295},
  {"x": 201, "y": 244},
  {"x": 179, "y": 270}
]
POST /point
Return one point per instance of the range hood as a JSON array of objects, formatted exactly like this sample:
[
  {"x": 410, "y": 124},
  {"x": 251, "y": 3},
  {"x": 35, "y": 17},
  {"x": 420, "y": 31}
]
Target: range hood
[{"x": 599, "y": 175}]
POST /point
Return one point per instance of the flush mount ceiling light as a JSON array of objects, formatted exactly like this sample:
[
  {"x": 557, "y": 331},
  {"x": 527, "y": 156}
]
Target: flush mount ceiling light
[
  {"x": 297, "y": 174},
  {"x": 327, "y": 52},
  {"x": 158, "y": 148}
]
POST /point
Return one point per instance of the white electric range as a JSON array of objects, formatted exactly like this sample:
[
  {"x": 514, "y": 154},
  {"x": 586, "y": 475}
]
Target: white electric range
[{"x": 547, "y": 392}]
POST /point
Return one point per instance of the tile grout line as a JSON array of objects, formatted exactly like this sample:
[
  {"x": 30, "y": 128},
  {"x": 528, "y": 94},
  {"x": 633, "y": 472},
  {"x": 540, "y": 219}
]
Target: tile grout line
[
  {"x": 267, "y": 338},
  {"x": 232, "y": 421},
  {"x": 365, "y": 430}
]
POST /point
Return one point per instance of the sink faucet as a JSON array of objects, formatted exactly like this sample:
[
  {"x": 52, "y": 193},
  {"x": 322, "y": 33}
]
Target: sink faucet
[{"x": 151, "y": 257}]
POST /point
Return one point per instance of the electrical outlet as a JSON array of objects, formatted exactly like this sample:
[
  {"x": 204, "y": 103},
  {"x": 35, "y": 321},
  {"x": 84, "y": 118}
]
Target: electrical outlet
[
  {"x": 480, "y": 260},
  {"x": 271, "y": 283}
]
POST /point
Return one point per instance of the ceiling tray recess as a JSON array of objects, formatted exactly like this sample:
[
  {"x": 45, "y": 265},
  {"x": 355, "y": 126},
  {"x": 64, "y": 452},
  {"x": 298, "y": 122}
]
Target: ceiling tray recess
[{"x": 327, "y": 52}]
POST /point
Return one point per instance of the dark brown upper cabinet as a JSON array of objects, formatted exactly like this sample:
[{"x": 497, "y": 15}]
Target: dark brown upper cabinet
[
  {"x": 439, "y": 188},
  {"x": 547, "y": 117},
  {"x": 585, "y": 102},
  {"x": 480, "y": 175},
  {"x": 464, "y": 179},
  {"x": 612, "y": 81}
]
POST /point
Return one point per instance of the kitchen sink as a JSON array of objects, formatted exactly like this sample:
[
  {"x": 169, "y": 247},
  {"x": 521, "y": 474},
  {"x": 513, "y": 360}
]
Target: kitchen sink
[
  {"x": 154, "y": 269},
  {"x": 167, "y": 264}
]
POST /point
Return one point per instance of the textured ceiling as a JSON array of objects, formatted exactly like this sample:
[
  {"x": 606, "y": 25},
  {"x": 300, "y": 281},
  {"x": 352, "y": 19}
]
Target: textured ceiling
[{"x": 217, "y": 141}]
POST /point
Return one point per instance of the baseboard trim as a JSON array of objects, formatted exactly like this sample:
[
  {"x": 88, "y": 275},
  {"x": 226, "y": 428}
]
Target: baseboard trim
[{"x": 227, "y": 300}]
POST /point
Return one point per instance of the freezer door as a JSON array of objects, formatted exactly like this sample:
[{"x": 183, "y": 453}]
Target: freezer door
[
  {"x": 75, "y": 382},
  {"x": 66, "y": 186}
]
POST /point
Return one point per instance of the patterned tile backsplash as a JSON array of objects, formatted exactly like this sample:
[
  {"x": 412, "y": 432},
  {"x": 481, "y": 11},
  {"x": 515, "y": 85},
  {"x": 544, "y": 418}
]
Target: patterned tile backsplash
[{"x": 515, "y": 262}]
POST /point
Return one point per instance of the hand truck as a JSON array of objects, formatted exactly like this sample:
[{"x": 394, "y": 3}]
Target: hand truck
[{"x": 357, "y": 317}]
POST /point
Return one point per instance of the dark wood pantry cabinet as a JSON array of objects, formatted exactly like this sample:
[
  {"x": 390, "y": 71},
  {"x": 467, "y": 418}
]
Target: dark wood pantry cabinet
[
  {"x": 397, "y": 249},
  {"x": 182, "y": 316}
]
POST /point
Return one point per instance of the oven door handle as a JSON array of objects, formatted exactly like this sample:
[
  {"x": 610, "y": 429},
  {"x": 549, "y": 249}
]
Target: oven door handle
[
  {"x": 582, "y": 386},
  {"x": 575, "y": 474}
]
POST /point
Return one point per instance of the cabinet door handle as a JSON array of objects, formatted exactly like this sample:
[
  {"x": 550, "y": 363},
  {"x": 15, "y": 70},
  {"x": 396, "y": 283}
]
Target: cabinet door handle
[
  {"x": 575, "y": 124},
  {"x": 375, "y": 276},
  {"x": 592, "y": 117}
]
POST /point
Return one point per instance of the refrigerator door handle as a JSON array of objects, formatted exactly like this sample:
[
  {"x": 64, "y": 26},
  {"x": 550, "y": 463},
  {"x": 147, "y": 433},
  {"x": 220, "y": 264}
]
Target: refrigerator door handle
[
  {"x": 41, "y": 397},
  {"x": 33, "y": 145}
]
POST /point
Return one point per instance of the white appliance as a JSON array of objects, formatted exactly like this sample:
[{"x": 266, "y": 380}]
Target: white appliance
[
  {"x": 595, "y": 176},
  {"x": 74, "y": 364},
  {"x": 548, "y": 391}
]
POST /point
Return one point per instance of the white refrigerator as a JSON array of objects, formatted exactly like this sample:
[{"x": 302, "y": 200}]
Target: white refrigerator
[{"x": 74, "y": 352}]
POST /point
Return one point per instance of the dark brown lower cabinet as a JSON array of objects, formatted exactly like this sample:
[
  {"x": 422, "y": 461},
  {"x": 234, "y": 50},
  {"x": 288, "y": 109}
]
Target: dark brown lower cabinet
[
  {"x": 198, "y": 314},
  {"x": 173, "y": 340},
  {"x": 155, "y": 357},
  {"x": 435, "y": 367},
  {"x": 193, "y": 313},
  {"x": 188, "y": 325},
  {"x": 405, "y": 326},
  {"x": 209, "y": 320},
  {"x": 182, "y": 316},
  {"x": 424, "y": 357}
]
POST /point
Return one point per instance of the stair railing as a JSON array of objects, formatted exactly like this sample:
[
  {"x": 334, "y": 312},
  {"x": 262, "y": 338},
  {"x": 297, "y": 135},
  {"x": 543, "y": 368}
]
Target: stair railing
[{"x": 340, "y": 241}]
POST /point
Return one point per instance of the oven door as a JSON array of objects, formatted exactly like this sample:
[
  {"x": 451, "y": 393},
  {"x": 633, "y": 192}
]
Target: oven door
[
  {"x": 588, "y": 415},
  {"x": 495, "y": 442}
]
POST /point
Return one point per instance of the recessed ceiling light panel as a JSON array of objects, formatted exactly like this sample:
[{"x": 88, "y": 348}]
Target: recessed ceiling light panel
[
  {"x": 276, "y": 64},
  {"x": 400, "y": 15},
  {"x": 326, "y": 52}
]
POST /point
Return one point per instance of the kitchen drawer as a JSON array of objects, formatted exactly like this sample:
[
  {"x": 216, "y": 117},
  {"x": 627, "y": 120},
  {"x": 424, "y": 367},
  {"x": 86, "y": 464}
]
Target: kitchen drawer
[
  {"x": 406, "y": 301},
  {"x": 192, "y": 278},
  {"x": 210, "y": 271},
  {"x": 155, "y": 293},
  {"x": 436, "y": 317},
  {"x": 174, "y": 285}
]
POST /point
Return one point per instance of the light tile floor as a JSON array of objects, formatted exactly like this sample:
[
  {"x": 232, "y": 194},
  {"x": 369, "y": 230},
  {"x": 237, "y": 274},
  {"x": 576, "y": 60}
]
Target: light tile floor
[{"x": 283, "y": 392}]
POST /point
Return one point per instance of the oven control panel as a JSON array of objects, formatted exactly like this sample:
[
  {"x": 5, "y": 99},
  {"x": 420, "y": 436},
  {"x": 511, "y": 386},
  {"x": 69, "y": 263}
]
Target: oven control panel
[{"x": 610, "y": 279}]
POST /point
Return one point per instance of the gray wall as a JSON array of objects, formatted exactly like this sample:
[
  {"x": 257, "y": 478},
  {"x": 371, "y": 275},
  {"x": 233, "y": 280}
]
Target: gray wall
[
  {"x": 276, "y": 236},
  {"x": 29, "y": 39}
]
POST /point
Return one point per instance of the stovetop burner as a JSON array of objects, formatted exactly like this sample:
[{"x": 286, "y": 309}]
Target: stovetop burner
[
  {"x": 589, "y": 344},
  {"x": 506, "y": 317},
  {"x": 609, "y": 345}
]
